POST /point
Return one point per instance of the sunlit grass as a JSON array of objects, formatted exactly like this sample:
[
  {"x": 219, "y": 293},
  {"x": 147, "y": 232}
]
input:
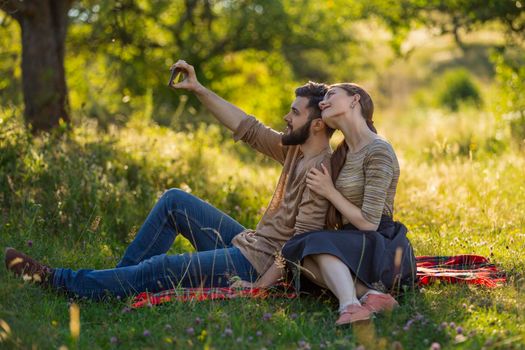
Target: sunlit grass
[
  {"x": 77, "y": 198},
  {"x": 454, "y": 200}
]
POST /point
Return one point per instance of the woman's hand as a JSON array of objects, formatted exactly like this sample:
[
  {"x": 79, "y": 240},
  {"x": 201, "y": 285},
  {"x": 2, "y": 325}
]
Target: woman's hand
[
  {"x": 320, "y": 182},
  {"x": 242, "y": 284}
]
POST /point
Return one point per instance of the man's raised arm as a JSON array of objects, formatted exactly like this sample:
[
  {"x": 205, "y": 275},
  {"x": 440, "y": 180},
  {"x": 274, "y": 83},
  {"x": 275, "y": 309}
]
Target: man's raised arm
[
  {"x": 228, "y": 114},
  {"x": 244, "y": 127}
]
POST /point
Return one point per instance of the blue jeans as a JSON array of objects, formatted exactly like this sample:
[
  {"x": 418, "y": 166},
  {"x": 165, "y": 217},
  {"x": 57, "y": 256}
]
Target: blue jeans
[{"x": 146, "y": 267}]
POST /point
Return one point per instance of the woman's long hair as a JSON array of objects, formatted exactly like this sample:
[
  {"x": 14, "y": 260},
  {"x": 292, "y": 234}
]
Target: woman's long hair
[{"x": 333, "y": 217}]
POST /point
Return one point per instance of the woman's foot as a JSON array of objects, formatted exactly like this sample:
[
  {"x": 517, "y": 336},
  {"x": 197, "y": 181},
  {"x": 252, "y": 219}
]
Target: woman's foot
[
  {"x": 379, "y": 302},
  {"x": 26, "y": 267},
  {"x": 353, "y": 313}
]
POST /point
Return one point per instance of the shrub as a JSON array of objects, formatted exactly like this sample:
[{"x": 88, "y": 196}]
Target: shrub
[
  {"x": 103, "y": 184},
  {"x": 457, "y": 87}
]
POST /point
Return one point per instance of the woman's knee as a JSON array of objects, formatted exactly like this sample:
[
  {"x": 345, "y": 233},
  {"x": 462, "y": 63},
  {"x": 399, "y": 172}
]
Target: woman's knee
[{"x": 323, "y": 258}]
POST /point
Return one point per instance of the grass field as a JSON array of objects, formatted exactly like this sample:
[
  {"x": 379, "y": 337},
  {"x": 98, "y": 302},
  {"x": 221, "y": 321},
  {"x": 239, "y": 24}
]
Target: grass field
[{"x": 76, "y": 199}]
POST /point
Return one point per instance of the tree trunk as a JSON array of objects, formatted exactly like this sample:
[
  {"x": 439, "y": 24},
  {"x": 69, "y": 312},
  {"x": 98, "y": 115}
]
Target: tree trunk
[{"x": 44, "y": 26}]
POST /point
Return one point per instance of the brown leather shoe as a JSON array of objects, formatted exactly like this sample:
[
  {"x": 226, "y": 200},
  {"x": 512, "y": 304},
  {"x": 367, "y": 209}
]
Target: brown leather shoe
[
  {"x": 353, "y": 313},
  {"x": 29, "y": 269},
  {"x": 380, "y": 302}
]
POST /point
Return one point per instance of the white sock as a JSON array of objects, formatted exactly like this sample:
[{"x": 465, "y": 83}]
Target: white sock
[
  {"x": 344, "y": 305},
  {"x": 370, "y": 291}
]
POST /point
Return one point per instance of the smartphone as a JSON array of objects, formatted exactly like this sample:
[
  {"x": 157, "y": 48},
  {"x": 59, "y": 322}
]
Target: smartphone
[{"x": 176, "y": 75}]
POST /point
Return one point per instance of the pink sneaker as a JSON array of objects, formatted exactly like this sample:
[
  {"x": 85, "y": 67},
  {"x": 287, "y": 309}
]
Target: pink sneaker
[
  {"x": 380, "y": 302},
  {"x": 353, "y": 313}
]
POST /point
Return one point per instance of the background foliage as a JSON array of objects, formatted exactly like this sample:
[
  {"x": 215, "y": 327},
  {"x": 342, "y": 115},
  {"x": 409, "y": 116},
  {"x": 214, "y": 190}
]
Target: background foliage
[{"x": 447, "y": 78}]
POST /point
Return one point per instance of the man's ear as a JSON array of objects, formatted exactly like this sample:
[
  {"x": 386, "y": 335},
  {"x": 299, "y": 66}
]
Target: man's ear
[{"x": 318, "y": 124}]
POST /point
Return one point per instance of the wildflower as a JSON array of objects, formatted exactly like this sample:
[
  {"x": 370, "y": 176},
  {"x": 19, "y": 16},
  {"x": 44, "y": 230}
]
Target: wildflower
[
  {"x": 452, "y": 325},
  {"x": 460, "y": 338},
  {"x": 198, "y": 320},
  {"x": 294, "y": 316},
  {"x": 113, "y": 340},
  {"x": 279, "y": 260},
  {"x": 250, "y": 338},
  {"x": 203, "y": 335},
  {"x": 267, "y": 316},
  {"x": 167, "y": 327},
  {"x": 435, "y": 346},
  {"x": 29, "y": 243},
  {"x": 126, "y": 310},
  {"x": 303, "y": 345},
  {"x": 259, "y": 333},
  {"x": 95, "y": 223},
  {"x": 228, "y": 332},
  {"x": 360, "y": 347},
  {"x": 146, "y": 333},
  {"x": 190, "y": 331},
  {"x": 238, "y": 340},
  {"x": 396, "y": 346},
  {"x": 459, "y": 330}
]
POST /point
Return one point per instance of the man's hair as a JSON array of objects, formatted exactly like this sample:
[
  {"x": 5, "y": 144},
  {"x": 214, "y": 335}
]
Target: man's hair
[{"x": 314, "y": 92}]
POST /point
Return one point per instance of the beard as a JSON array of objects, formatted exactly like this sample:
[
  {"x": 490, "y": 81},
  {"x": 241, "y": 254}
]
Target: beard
[{"x": 297, "y": 137}]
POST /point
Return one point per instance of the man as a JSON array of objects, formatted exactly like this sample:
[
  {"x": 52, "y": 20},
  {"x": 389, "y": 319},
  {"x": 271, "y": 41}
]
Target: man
[{"x": 224, "y": 247}]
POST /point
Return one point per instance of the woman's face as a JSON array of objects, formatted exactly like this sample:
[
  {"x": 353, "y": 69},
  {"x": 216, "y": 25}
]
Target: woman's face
[{"x": 336, "y": 102}]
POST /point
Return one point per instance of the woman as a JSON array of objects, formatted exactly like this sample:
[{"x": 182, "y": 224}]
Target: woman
[{"x": 366, "y": 253}]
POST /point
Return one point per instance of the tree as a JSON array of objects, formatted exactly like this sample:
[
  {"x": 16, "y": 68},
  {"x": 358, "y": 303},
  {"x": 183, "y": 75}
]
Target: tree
[
  {"x": 449, "y": 16},
  {"x": 137, "y": 40},
  {"x": 43, "y": 25},
  {"x": 121, "y": 50}
]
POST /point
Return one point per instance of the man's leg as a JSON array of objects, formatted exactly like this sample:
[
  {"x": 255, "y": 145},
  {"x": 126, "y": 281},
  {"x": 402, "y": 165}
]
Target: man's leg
[
  {"x": 176, "y": 211},
  {"x": 212, "y": 268}
]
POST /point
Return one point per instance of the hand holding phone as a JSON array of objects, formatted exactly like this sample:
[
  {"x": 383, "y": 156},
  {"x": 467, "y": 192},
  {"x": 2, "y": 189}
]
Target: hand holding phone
[
  {"x": 183, "y": 77},
  {"x": 176, "y": 75}
]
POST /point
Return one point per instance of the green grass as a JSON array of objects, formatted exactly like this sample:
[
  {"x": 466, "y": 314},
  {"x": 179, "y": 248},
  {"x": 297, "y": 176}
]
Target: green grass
[
  {"x": 66, "y": 193},
  {"x": 80, "y": 196}
]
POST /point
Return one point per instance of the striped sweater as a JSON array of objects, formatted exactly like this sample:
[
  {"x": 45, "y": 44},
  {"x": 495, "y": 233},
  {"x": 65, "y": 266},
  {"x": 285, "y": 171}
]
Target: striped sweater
[{"x": 369, "y": 179}]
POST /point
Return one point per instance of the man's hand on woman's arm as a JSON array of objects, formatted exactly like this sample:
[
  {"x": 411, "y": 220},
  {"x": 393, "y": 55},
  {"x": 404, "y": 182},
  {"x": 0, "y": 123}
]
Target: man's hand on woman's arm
[
  {"x": 228, "y": 114},
  {"x": 321, "y": 183}
]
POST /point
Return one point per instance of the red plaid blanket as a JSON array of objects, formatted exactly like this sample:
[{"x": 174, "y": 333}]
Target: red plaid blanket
[
  {"x": 200, "y": 294},
  {"x": 469, "y": 269}
]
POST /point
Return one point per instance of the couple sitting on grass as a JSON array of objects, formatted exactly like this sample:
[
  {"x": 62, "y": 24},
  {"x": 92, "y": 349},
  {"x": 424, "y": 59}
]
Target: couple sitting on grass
[{"x": 331, "y": 214}]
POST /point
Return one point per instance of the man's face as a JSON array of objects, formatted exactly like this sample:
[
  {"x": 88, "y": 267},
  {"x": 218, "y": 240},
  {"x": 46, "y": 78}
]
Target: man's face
[{"x": 298, "y": 125}]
